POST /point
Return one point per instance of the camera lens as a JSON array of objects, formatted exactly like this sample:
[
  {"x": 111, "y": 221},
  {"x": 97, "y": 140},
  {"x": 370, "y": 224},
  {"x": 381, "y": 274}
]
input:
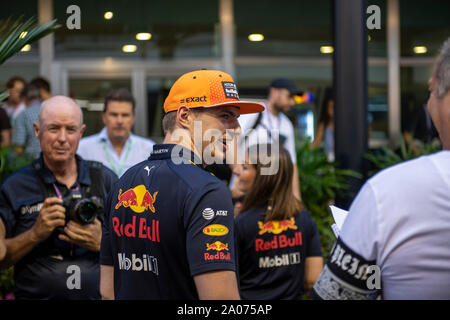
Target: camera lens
[{"x": 86, "y": 211}]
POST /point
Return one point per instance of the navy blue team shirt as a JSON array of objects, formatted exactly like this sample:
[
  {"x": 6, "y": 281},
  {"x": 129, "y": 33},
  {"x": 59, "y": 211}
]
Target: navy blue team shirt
[
  {"x": 45, "y": 272},
  {"x": 272, "y": 254},
  {"x": 168, "y": 221}
]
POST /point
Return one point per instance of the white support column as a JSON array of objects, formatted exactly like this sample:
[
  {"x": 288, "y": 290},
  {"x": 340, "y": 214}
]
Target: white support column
[
  {"x": 46, "y": 44},
  {"x": 393, "y": 55},
  {"x": 226, "y": 16},
  {"x": 139, "y": 91}
]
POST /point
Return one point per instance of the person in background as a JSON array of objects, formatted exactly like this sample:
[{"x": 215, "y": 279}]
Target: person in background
[
  {"x": 14, "y": 104},
  {"x": 259, "y": 128},
  {"x": 115, "y": 145},
  {"x": 5, "y": 129},
  {"x": 23, "y": 138},
  {"x": 325, "y": 131},
  {"x": 278, "y": 243},
  {"x": 54, "y": 244}
]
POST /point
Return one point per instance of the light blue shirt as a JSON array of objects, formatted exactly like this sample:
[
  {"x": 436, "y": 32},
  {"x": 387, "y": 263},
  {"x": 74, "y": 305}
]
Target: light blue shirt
[{"x": 98, "y": 147}]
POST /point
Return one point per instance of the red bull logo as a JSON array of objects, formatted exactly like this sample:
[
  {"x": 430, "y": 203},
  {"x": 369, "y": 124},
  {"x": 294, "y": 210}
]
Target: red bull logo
[
  {"x": 138, "y": 199},
  {"x": 218, "y": 246},
  {"x": 276, "y": 227}
]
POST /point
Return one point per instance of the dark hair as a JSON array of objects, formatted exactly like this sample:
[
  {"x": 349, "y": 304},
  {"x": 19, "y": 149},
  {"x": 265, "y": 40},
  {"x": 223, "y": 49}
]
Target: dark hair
[
  {"x": 30, "y": 92},
  {"x": 274, "y": 190},
  {"x": 324, "y": 116},
  {"x": 41, "y": 83},
  {"x": 12, "y": 81},
  {"x": 122, "y": 95}
]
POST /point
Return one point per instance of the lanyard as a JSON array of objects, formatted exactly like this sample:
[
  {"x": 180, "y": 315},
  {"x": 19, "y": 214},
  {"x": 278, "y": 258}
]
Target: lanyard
[
  {"x": 59, "y": 194},
  {"x": 119, "y": 170}
]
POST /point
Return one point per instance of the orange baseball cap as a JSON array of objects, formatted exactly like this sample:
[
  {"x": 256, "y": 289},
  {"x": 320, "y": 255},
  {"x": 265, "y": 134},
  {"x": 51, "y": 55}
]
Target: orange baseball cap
[{"x": 207, "y": 89}]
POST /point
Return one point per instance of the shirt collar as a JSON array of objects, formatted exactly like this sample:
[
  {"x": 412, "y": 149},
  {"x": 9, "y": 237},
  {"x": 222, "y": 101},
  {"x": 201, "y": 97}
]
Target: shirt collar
[
  {"x": 175, "y": 152},
  {"x": 49, "y": 178}
]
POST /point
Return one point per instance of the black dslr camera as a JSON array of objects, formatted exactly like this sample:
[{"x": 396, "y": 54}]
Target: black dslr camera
[{"x": 80, "y": 209}]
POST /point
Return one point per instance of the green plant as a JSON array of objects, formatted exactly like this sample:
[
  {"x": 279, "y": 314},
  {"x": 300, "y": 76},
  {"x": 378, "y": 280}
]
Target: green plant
[
  {"x": 385, "y": 157},
  {"x": 320, "y": 182},
  {"x": 15, "y": 34}
]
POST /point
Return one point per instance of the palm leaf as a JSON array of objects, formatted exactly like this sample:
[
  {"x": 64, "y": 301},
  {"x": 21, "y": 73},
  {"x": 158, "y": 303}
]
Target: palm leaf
[{"x": 11, "y": 41}]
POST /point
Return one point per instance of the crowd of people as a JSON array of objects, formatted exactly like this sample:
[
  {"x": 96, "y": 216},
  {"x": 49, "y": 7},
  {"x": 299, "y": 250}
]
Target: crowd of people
[{"x": 116, "y": 216}]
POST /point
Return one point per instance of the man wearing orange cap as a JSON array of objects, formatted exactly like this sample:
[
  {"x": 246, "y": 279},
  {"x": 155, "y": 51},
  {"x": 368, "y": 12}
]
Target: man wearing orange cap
[{"x": 169, "y": 234}]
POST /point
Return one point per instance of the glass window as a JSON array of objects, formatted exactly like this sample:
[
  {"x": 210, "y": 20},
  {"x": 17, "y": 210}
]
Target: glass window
[
  {"x": 424, "y": 26},
  {"x": 90, "y": 95},
  {"x": 414, "y": 88},
  {"x": 289, "y": 28},
  {"x": 172, "y": 28},
  {"x": 378, "y": 115}
]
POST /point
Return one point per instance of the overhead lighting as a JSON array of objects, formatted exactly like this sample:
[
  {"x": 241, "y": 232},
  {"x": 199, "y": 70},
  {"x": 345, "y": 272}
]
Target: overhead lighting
[
  {"x": 326, "y": 49},
  {"x": 26, "y": 48},
  {"x": 255, "y": 37},
  {"x": 420, "y": 49},
  {"x": 369, "y": 37},
  {"x": 108, "y": 15},
  {"x": 144, "y": 36},
  {"x": 129, "y": 48},
  {"x": 23, "y": 34}
]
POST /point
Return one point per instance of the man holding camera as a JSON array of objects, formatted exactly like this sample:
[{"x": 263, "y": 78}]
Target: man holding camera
[{"x": 51, "y": 212}]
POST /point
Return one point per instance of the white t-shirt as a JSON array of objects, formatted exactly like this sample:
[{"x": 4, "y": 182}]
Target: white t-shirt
[
  {"x": 401, "y": 221},
  {"x": 280, "y": 124}
]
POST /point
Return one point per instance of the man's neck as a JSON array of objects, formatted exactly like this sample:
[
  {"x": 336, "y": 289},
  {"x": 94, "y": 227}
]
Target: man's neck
[
  {"x": 271, "y": 108},
  {"x": 66, "y": 172},
  {"x": 184, "y": 140}
]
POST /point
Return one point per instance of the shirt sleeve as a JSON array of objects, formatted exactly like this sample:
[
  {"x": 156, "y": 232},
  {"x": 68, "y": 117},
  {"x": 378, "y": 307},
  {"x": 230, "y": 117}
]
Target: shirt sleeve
[
  {"x": 106, "y": 257},
  {"x": 290, "y": 142},
  {"x": 209, "y": 225},
  {"x": 19, "y": 136},
  {"x": 352, "y": 263},
  {"x": 4, "y": 120},
  {"x": 314, "y": 248},
  {"x": 6, "y": 213}
]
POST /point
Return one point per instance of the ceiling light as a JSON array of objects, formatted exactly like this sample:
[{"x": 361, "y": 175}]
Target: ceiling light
[
  {"x": 326, "y": 49},
  {"x": 129, "y": 48},
  {"x": 23, "y": 34},
  {"x": 108, "y": 15},
  {"x": 255, "y": 37},
  {"x": 420, "y": 49},
  {"x": 26, "y": 48},
  {"x": 144, "y": 36}
]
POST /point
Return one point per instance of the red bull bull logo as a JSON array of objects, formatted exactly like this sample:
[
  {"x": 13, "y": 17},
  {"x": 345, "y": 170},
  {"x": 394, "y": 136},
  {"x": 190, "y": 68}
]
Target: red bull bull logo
[
  {"x": 218, "y": 246},
  {"x": 276, "y": 227},
  {"x": 138, "y": 199}
]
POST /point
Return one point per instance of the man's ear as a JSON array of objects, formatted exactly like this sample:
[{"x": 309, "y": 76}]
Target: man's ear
[
  {"x": 83, "y": 129},
  {"x": 36, "y": 129},
  {"x": 184, "y": 117}
]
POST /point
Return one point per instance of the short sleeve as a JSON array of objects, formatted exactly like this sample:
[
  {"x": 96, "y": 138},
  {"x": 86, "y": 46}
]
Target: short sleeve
[
  {"x": 106, "y": 257},
  {"x": 209, "y": 225},
  {"x": 314, "y": 248},
  {"x": 4, "y": 120}
]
